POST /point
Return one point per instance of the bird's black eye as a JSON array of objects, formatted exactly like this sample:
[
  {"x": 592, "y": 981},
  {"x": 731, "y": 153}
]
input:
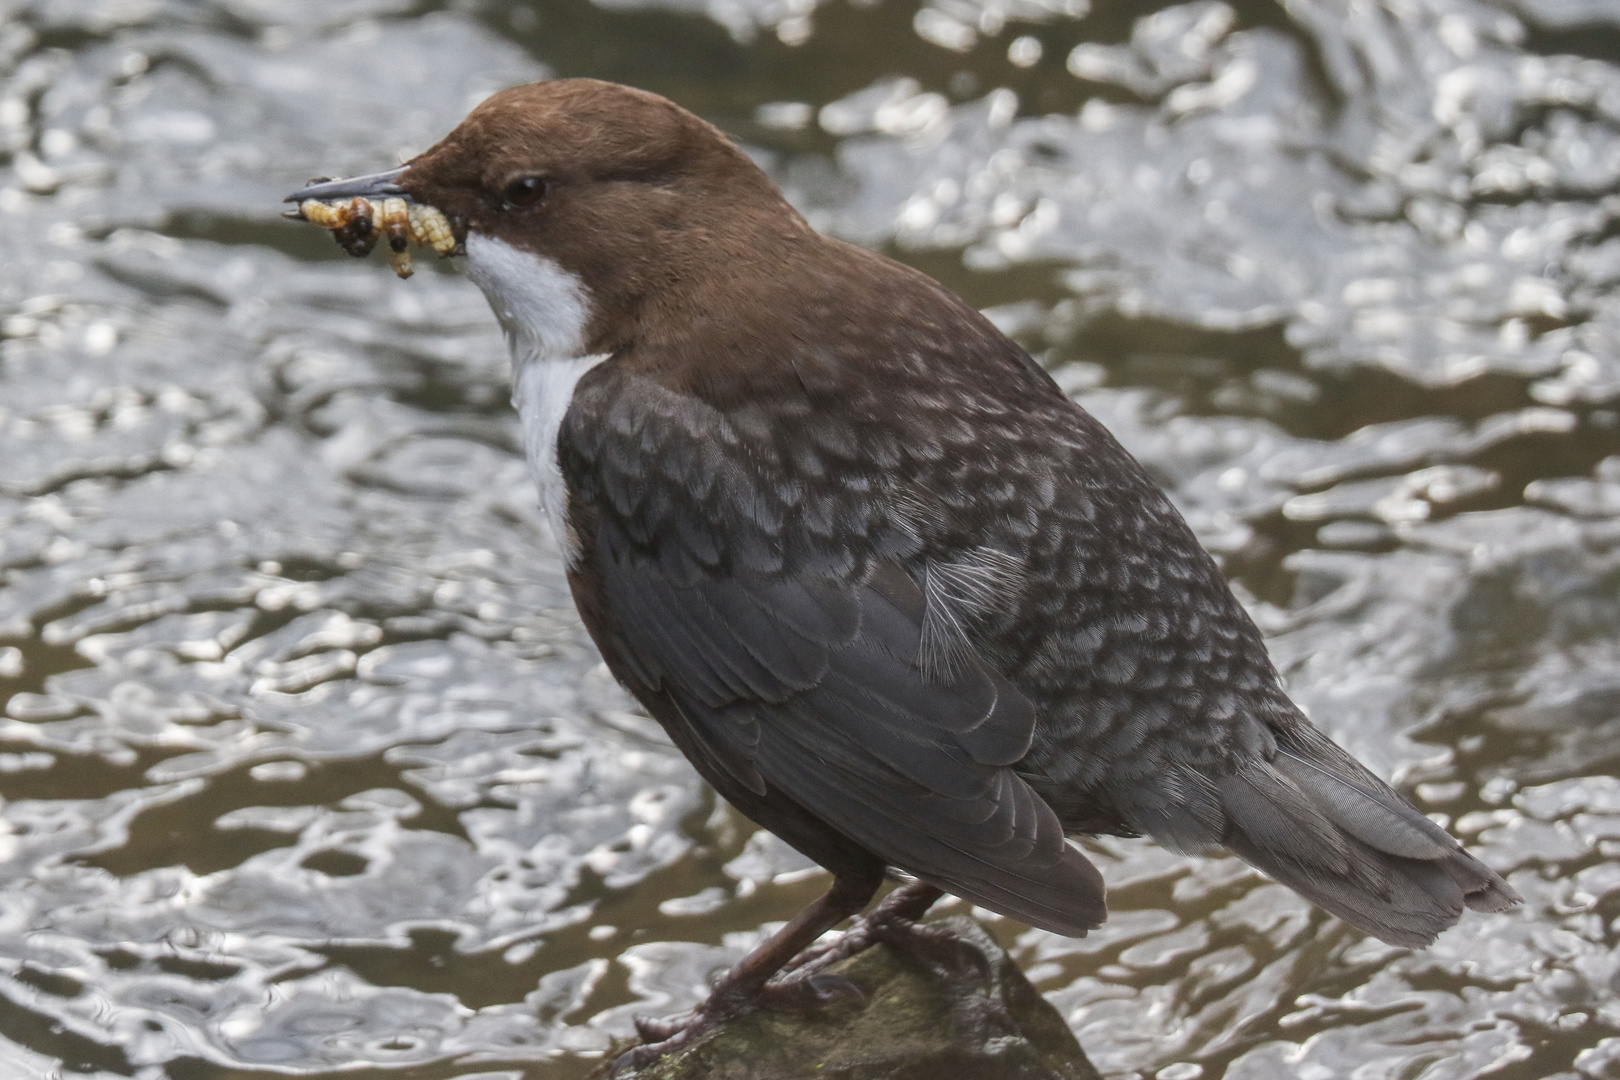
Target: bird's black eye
[{"x": 524, "y": 191}]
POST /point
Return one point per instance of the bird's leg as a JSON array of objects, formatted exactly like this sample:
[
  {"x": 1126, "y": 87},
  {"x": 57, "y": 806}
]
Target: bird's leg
[
  {"x": 745, "y": 986},
  {"x": 894, "y": 920}
]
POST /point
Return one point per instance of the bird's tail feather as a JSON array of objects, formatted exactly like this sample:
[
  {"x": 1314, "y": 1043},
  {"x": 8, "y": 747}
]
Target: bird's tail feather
[{"x": 1313, "y": 818}]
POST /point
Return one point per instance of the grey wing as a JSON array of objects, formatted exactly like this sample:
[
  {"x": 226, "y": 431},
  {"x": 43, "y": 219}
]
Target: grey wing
[{"x": 812, "y": 685}]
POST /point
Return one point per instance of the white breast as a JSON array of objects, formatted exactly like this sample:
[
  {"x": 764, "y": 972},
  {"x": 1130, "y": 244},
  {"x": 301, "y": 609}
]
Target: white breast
[
  {"x": 541, "y": 390},
  {"x": 544, "y": 310}
]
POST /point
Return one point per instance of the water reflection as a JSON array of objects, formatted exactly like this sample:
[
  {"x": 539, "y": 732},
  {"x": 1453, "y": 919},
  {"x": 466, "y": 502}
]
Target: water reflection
[{"x": 306, "y": 764}]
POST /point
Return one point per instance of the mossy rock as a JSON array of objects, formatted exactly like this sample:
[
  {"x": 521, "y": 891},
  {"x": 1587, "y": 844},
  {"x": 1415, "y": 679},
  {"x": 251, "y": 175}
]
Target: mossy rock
[{"x": 964, "y": 1012}]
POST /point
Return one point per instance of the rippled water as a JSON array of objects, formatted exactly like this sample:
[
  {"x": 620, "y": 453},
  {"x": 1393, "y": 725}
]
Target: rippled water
[{"x": 306, "y": 764}]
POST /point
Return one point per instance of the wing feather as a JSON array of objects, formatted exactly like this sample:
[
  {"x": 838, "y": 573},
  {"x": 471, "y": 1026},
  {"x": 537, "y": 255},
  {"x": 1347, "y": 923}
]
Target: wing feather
[{"x": 813, "y": 686}]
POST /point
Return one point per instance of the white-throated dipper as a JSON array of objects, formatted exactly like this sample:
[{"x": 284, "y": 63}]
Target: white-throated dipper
[{"x": 897, "y": 598}]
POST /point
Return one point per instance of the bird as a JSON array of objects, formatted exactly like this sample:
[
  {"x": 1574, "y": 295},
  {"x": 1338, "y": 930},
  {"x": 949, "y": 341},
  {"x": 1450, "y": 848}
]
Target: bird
[{"x": 897, "y": 597}]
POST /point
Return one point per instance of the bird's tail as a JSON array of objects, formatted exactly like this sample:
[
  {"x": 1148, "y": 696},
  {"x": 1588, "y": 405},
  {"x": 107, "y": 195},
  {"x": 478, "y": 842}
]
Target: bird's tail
[{"x": 1315, "y": 819}]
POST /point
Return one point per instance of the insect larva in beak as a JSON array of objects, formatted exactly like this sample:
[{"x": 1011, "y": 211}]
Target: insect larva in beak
[
  {"x": 358, "y": 223},
  {"x": 429, "y": 226},
  {"x": 328, "y": 215},
  {"x": 359, "y": 236},
  {"x": 395, "y": 223}
]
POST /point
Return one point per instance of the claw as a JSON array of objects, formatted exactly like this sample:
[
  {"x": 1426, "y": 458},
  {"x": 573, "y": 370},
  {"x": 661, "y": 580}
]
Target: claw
[
  {"x": 657, "y": 1029},
  {"x": 793, "y": 994},
  {"x": 928, "y": 945},
  {"x": 815, "y": 992},
  {"x": 748, "y": 987}
]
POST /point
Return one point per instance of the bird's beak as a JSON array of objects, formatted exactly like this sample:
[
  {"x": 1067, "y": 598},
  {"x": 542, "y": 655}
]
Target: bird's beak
[{"x": 375, "y": 186}]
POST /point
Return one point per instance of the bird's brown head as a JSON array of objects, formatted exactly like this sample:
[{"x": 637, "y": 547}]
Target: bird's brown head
[
  {"x": 617, "y": 188},
  {"x": 537, "y": 152}
]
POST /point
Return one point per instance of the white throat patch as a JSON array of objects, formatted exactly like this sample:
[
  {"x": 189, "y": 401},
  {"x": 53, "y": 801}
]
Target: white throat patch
[{"x": 543, "y": 309}]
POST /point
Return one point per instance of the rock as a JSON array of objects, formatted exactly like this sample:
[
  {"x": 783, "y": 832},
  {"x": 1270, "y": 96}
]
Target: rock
[{"x": 963, "y": 1011}]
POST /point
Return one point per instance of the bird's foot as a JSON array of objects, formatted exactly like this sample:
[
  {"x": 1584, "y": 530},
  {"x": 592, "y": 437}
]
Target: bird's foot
[
  {"x": 932, "y": 946},
  {"x": 806, "y": 991},
  {"x": 798, "y": 992},
  {"x": 662, "y": 1028},
  {"x": 660, "y": 1037},
  {"x": 802, "y": 982},
  {"x": 894, "y": 921}
]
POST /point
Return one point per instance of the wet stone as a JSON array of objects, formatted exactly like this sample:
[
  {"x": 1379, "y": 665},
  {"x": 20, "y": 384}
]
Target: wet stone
[{"x": 970, "y": 1013}]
